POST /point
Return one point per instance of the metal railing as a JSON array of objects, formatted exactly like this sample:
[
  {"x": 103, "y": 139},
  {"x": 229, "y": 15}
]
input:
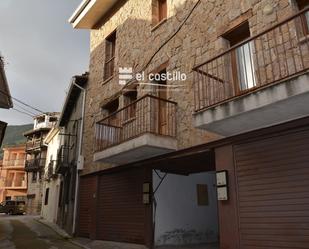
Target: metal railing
[
  {"x": 35, "y": 164},
  {"x": 62, "y": 162},
  {"x": 272, "y": 56},
  {"x": 149, "y": 114}
]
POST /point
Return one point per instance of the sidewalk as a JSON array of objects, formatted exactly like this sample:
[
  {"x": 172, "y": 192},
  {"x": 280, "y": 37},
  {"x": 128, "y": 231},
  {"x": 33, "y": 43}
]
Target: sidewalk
[{"x": 87, "y": 243}]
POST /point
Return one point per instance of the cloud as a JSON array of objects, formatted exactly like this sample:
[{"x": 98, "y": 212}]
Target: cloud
[{"x": 42, "y": 52}]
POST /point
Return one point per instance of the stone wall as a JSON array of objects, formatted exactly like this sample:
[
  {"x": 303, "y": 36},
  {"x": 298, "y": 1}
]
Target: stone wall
[{"x": 196, "y": 41}]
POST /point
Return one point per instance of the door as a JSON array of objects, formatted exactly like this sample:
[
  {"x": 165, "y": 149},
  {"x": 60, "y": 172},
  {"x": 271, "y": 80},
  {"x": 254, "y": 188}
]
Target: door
[
  {"x": 273, "y": 197},
  {"x": 122, "y": 213},
  {"x": 87, "y": 194}
]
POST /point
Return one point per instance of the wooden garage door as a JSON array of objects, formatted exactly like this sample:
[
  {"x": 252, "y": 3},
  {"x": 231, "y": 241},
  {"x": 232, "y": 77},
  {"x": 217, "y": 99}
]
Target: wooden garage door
[
  {"x": 121, "y": 213},
  {"x": 273, "y": 192},
  {"x": 86, "y": 205}
]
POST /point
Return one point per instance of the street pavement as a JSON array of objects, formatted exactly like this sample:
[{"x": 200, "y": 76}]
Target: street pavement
[{"x": 24, "y": 232}]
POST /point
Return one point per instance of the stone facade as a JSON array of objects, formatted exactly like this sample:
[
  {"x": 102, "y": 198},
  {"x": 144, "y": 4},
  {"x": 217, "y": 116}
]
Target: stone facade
[{"x": 139, "y": 45}]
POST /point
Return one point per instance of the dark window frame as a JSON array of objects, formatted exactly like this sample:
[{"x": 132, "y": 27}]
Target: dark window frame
[
  {"x": 110, "y": 51},
  {"x": 46, "y": 196}
]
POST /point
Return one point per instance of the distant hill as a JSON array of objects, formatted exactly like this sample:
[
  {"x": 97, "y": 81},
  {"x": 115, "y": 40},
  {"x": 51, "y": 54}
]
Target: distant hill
[{"x": 14, "y": 135}]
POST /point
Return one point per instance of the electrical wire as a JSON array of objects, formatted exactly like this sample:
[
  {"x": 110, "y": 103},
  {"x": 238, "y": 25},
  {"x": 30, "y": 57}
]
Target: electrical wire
[
  {"x": 26, "y": 110},
  {"x": 21, "y": 102},
  {"x": 22, "y": 112}
]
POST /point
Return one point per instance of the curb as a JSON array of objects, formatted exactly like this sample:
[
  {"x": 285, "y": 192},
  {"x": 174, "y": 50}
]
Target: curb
[{"x": 66, "y": 237}]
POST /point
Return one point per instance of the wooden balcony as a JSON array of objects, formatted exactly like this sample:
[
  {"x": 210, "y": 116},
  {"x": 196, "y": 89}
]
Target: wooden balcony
[
  {"x": 14, "y": 164},
  {"x": 253, "y": 77},
  {"x": 142, "y": 129},
  {"x": 33, "y": 165},
  {"x": 35, "y": 143}
]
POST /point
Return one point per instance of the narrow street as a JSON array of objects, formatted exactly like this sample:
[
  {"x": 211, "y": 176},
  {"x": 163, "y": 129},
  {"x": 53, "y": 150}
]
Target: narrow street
[{"x": 24, "y": 232}]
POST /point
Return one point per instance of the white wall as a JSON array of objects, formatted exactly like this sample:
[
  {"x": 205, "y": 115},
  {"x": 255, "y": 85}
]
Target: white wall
[
  {"x": 49, "y": 211},
  {"x": 178, "y": 219}
]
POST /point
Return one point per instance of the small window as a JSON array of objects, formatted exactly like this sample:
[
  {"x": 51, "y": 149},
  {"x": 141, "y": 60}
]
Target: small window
[
  {"x": 110, "y": 48},
  {"x": 302, "y": 4},
  {"x": 53, "y": 119},
  {"x": 242, "y": 58},
  {"x": 159, "y": 11},
  {"x": 46, "y": 196},
  {"x": 111, "y": 107},
  {"x": 129, "y": 101},
  {"x": 202, "y": 195}
]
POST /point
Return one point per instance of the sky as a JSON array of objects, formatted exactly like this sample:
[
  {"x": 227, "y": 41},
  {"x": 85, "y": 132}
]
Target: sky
[{"x": 41, "y": 52}]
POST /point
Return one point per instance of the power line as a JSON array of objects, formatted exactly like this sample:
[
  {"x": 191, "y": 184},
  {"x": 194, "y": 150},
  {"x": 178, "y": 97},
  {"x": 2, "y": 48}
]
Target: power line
[
  {"x": 26, "y": 110},
  {"x": 21, "y": 102},
  {"x": 25, "y": 113}
]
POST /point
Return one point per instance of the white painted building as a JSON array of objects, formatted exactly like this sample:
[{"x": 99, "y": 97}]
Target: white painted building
[{"x": 51, "y": 185}]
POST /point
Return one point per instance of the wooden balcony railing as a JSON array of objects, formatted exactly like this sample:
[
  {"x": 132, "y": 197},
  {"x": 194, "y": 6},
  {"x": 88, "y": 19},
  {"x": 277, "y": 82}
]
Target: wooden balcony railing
[
  {"x": 272, "y": 56},
  {"x": 149, "y": 114},
  {"x": 34, "y": 144},
  {"x": 35, "y": 164}
]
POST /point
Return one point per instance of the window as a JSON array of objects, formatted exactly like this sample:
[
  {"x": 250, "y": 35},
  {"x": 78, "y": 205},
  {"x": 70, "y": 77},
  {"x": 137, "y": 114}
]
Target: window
[
  {"x": 34, "y": 176},
  {"x": 302, "y": 4},
  {"x": 159, "y": 11},
  {"x": 242, "y": 58},
  {"x": 110, "y": 48},
  {"x": 202, "y": 195},
  {"x": 46, "y": 196},
  {"x": 129, "y": 98},
  {"x": 161, "y": 90}
]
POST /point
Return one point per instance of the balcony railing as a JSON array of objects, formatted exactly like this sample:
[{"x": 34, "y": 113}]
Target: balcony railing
[
  {"x": 35, "y": 164},
  {"x": 274, "y": 55},
  {"x": 34, "y": 144},
  {"x": 62, "y": 163},
  {"x": 14, "y": 163},
  {"x": 149, "y": 114},
  {"x": 51, "y": 171}
]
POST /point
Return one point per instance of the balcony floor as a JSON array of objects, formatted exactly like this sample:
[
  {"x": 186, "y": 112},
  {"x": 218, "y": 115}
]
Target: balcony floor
[
  {"x": 273, "y": 105},
  {"x": 142, "y": 147}
]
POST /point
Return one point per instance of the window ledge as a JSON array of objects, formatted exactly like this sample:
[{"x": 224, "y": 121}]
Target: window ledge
[
  {"x": 156, "y": 26},
  {"x": 304, "y": 39},
  {"x": 107, "y": 80}
]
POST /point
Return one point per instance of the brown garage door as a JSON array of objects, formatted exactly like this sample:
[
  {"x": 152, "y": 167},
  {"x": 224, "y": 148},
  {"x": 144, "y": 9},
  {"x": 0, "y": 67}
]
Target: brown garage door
[
  {"x": 273, "y": 192},
  {"x": 86, "y": 204},
  {"x": 121, "y": 214}
]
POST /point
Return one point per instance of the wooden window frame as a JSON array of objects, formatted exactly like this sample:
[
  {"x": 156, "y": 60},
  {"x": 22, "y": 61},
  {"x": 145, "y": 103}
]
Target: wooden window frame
[
  {"x": 159, "y": 12},
  {"x": 302, "y": 4},
  {"x": 110, "y": 50},
  {"x": 129, "y": 98},
  {"x": 235, "y": 36}
]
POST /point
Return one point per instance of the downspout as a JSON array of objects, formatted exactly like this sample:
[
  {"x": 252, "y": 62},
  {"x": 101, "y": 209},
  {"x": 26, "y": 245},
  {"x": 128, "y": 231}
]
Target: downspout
[{"x": 79, "y": 154}]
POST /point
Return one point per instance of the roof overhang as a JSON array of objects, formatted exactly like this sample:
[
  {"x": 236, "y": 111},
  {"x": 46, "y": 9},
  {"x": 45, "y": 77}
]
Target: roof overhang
[
  {"x": 72, "y": 97},
  {"x": 5, "y": 96},
  {"x": 2, "y": 131},
  {"x": 51, "y": 134},
  {"x": 89, "y": 12}
]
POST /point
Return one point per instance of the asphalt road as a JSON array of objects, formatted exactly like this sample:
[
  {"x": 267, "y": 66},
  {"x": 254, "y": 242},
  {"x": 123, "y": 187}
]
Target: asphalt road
[{"x": 24, "y": 232}]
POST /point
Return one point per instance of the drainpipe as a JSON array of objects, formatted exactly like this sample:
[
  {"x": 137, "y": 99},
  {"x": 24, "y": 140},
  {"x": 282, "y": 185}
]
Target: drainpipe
[{"x": 79, "y": 154}]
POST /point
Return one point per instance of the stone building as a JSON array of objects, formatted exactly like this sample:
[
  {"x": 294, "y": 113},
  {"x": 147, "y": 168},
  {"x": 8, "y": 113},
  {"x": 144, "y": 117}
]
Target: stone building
[
  {"x": 36, "y": 158},
  {"x": 13, "y": 178},
  {"x": 195, "y": 161}
]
